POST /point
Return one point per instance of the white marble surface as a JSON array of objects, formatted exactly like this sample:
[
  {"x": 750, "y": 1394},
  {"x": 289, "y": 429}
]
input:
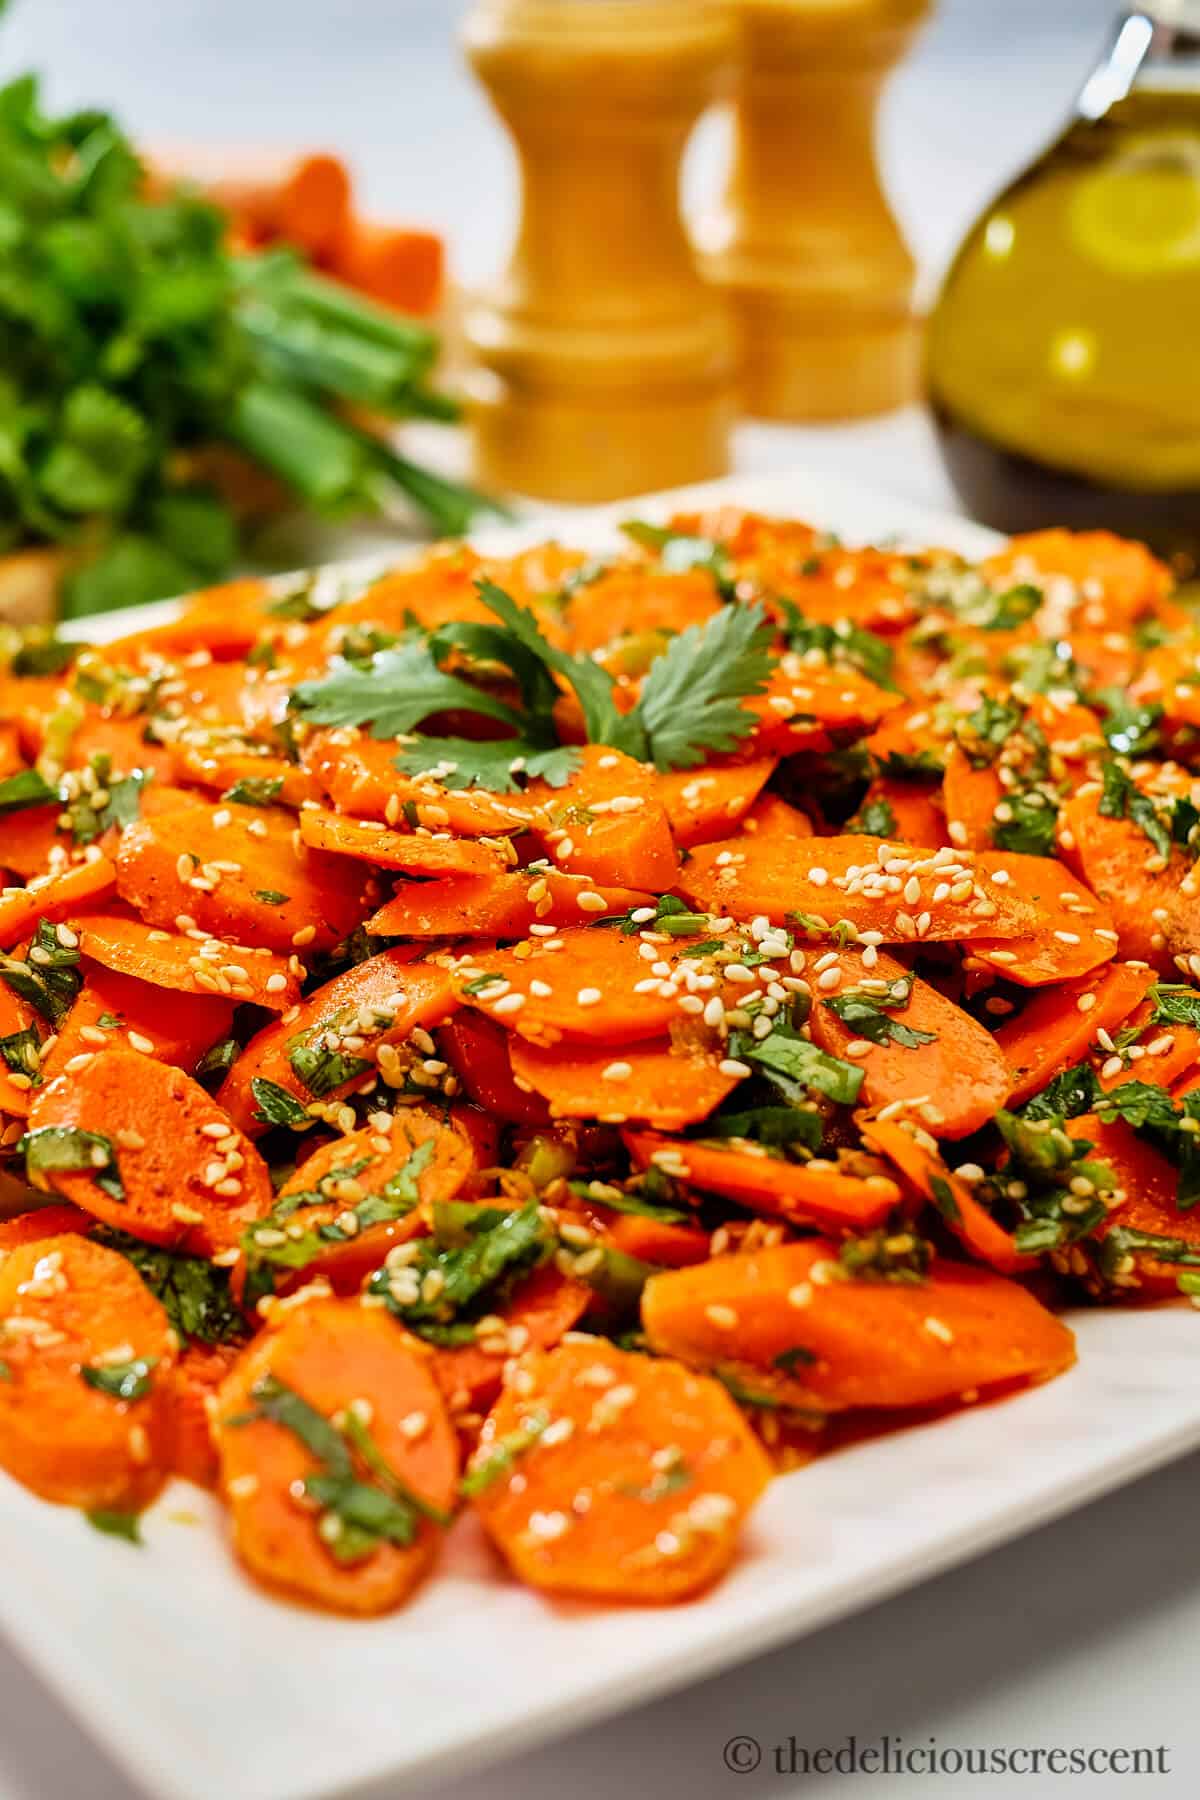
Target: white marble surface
[{"x": 1083, "y": 1634}]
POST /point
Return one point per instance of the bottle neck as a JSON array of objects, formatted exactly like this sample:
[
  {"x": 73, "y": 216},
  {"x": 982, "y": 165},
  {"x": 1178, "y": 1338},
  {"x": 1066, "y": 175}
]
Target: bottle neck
[{"x": 1152, "y": 46}]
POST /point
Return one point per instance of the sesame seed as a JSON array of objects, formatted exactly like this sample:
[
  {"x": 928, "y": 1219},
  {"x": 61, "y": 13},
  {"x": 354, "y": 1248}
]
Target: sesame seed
[{"x": 723, "y": 1317}]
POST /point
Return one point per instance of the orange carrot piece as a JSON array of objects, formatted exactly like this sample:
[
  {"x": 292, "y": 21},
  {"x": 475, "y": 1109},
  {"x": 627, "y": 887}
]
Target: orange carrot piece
[
  {"x": 477, "y": 1051},
  {"x": 133, "y": 1012},
  {"x": 223, "y": 620},
  {"x": 1149, "y": 1183},
  {"x": 816, "y": 708},
  {"x": 638, "y": 600},
  {"x": 961, "y": 1072},
  {"x": 334, "y": 1355},
  {"x": 361, "y": 778},
  {"x": 54, "y": 897},
  {"x": 69, "y": 1307},
  {"x": 666, "y": 1087},
  {"x": 27, "y": 838},
  {"x": 607, "y": 823},
  {"x": 196, "y": 1381},
  {"x": 705, "y": 804},
  {"x": 389, "y": 993},
  {"x": 399, "y": 266},
  {"x": 811, "y": 1193},
  {"x": 641, "y": 1538},
  {"x": 541, "y": 1309},
  {"x": 42, "y": 1222},
  {"x": 580, "y": 984},
  {"x": 858, "y": 1342},
  {"x": 917, "y": 816},
  {"x": 971, "y": 797},
  {"x": 772, "y": 820},
  {"x": 16, "y": 1016},
  {"x": 1074, "y": 933},
  {"x": 1059, "y": 1025},
  {"x": 1155, "y": 917},
  {"x": 210, "y": 967},
  {"x": 1119, "y": 577},
  {"x": 499, "y": 906},
  {"x": 970, "y": 1222},
  {"x": 750, "y": 877},
  {"x": 214, "y": 766},
  {"x": 415, "y": 852},
  {"x": 177, "y": 1187},
  {"x": 437, "y": 1173},
  {"x": 255, "y": 886},
  {"x": 1176, "y": 1051}
]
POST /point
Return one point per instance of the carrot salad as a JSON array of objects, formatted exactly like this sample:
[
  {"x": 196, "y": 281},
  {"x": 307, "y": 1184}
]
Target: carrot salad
[{"x": 566, "y": 1037}]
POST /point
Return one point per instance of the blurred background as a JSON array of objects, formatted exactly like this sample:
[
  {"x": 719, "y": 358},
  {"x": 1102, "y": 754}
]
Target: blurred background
[{"x": 381, "y": 81}]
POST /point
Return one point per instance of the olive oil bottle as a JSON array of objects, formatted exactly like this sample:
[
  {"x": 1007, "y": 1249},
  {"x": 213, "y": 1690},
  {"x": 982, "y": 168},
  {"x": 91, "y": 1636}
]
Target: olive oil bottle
[{"x": 1063, "y": 357}]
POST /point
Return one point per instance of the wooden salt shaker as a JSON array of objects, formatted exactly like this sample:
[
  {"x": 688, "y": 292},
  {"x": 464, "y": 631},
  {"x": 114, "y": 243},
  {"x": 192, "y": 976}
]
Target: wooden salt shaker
[
  {"x": 603, "y": 362},
  {"x": 805, "y": 245}
]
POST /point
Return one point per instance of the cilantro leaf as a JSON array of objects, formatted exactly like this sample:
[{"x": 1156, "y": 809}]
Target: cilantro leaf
[
  {"x": 194, "y": 1294},
  {"x": 867, "y": 1015},
  {"x": 394, "y": 692},
  {"x": 794, "y": 1062},
  {"x": 691, "y": 699},
  {"x": 503, "y": 766},
  {"x": 24, "y": 789}
]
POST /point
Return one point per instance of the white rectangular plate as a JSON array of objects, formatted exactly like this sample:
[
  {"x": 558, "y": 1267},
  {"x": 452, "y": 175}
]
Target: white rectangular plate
[{"x": 200, "y": 1684}]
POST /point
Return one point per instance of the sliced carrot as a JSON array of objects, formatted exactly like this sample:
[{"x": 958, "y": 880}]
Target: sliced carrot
[
  {"x": 1148, "y": 1183},
  {"x": 1156, "y": 917},
  {"x": 1166, "y": 1055},
  {"x": 417, "y": 853},
  {"x": 75, "y": 1319},
  {"x": 27, "y": 838},
  {"x": 417, "y": 1160},
  {"x": 705, "y": 804},
  {"x": 970, "y": 1222},
  {"x": 661, "y": 1241},
  {"x": 42, "y": 1222},
  {"x": 334, "y": 1356},
  {"x": 816, "y": 708},
  {"x": 817, "y": 1192},
  {"x": 123, "y": 742},
  {"x": 914, "y": 811},
  {"x": 500, "y": 906},
  {"x": 215, "y": 766},
  {"x": 135, "y": 1143},
  {"x": 971, "y": 796},
  {"x": 772, "y": 820},
  {"x": 1074, "y": 933},
  {"x": 788, "y": 1324},
  {"x": 847, "y": 878},
  {"x": 196, "y": 1382},
  {"x": 636, "y": 600},
  {"x": 192, "y": 964},
  {"x": 54, "y": 897},
  {"x": 581, "y": 984},
  {"x": 254, "y": 886},
  {"x": 1117, "y": 579},
  {"x": 398, "y": 266},
  {"x": 359, "y": 775},
  {"x": 16, "y": 1018},
  {"x": 607, "y": 823},
  {"x": 1059, "y": 1025},
  {"x": 959, "y": 1071},
  {"x": 540, "y": 1311},
  {"x": 669, "y": 1466},
  {"x": 667, "y": 1087},
  {"x": 477, "y": 1051},
  {"x": 223, "y": 620},
  {"x": 119, "y": 1010},
  {"x": 377, "y": 1003}
]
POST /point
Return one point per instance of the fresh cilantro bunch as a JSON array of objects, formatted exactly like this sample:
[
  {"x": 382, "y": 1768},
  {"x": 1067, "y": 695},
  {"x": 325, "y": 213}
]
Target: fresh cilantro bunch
[
  {"x": 130, "y": 341},
  {"x": 690, "y": 704}
]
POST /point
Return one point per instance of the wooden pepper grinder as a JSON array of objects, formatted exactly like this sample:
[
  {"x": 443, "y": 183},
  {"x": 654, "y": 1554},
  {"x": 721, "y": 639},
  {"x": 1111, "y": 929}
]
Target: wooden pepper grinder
[
  {"x": 805, "y": 245},
  {"x": 604, "y": 364}
]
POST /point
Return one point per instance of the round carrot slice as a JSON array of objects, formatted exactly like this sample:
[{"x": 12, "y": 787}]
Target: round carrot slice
[
  {"x": 117, "y": 1011},
  {"x": 193, "y": 964},
  {"x": 790, "y": 1325},
  {"x": 579, "y": 984},
  {"x": 87, "y": 1354},
  {"x": 234, "y": 871},
  {"x": 417, "y": 853},
  {"x": 336, "y": 1458},
  {"x": 655, "y": 1082},
  {"x": 604, "y": 1473},
  {"x": 817, "y": 1192},
  {"x": 499, "y": 906},
  {"x": 143, "y": 1147}
]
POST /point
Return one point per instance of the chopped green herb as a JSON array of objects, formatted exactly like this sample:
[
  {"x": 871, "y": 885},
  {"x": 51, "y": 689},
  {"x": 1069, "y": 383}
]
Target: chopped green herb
[
  {"x": 24, "y": 789},
  {"x": 271, "y": 897},
  {"x": 500, "y": 1457},
  {"x": 869, "y": 1015},
  {"x": 64, "y": 1149},
  {"x": 115, "y": 1524},
  {"x": 254, "y": 790},
  {"x": 194, "y": 1294},
  {"x": 785, "y": 1055},
  {"x": 273, "y": 1104},
  {"x": 123, "y": 1381}
]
